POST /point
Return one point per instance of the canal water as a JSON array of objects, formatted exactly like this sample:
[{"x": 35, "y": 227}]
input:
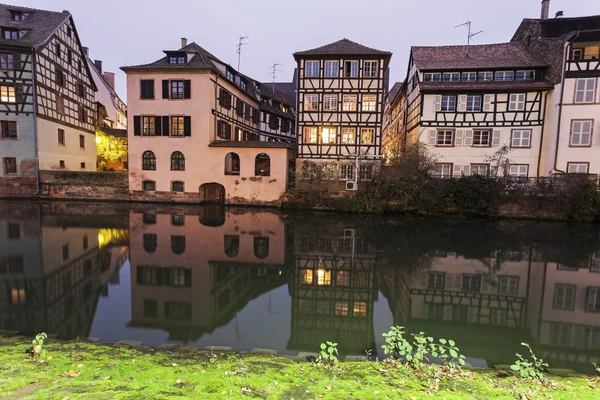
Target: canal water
[{"x": 208, "y": 276}]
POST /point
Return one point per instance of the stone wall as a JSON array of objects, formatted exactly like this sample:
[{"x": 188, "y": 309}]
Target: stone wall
[
  {"x": 83, "y": 185},
  {"x": 17, "y": 187}
]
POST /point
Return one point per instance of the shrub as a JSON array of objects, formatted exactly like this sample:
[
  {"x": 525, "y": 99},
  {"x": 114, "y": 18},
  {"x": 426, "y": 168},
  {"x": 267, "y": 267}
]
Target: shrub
[
  {"x": 328, "y": 353},
  {"x": 532, "y": 367}
]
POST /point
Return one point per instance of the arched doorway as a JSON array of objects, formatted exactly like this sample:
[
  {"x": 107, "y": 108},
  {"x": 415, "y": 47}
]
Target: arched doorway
[{"x": 212, "y": 193}]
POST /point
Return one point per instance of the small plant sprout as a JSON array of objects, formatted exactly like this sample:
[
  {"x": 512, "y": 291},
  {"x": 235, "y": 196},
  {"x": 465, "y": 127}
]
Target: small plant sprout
[
  {"x": 37, "y": 345},
  {"x": 533, "y": 367},
  {"x": 597, "y": 368},
  {"x": 328, "y": 353}
]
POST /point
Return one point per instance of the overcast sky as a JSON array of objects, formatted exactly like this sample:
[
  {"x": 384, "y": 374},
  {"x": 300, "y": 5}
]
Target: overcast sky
[{"x": 129, "y": 32}]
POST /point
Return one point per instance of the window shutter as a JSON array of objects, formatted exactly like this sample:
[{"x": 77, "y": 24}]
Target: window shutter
[
  {"x": 151, "y": 90},
  {"x": 449, "y": 281},
  {"x": 496, "y": 138},
  {"x": 466, "y": 170},
  {"x": 12, "y": 129},
  {"x": 239, "y": 107},
  {"x": 462, "y": 103},
  {"x": 165, "y": 89},
  {"x": 19, "y": 93},
  {"x": 487, "y": 102},
  {"x": 456, "y": 170},
  {"x": 187, "y": 89},
  {"x": 16, "y": 61},
  {"x": 458, "y": 140},
  {"x": 187, "y": 126},
  {"x": 468, "y": 138},
  {"x": 157, "y": 125},
  {"x": 432, "y": 137},
  {"x": 165, "y": 125},
  {"x": 437, "y": 104},
  {"x": 137, "y": 125}
]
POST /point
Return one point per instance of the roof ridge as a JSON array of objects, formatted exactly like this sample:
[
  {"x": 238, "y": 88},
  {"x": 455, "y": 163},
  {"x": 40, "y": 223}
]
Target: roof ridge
[
  {"x": 463, "y": 45},
  {"x": 20, "y": 8}
]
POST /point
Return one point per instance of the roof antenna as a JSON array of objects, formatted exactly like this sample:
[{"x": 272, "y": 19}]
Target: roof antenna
[
  {"x": 239, "y": 49},
  {"x": 274, "y": 71},
  {"x": 469, "y": 35}
]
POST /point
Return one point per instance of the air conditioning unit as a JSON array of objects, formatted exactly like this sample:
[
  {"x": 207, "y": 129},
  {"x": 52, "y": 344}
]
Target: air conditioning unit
[
  {"x": 349, "y": 232},
  {"x": 351, "y": 185}
]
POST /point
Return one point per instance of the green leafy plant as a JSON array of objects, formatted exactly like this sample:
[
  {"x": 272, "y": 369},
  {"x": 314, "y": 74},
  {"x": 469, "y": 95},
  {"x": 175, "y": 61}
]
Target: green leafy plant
[
  {"x": 597, "y": 368},
  {"x": 396, "y": 345},
  {"x": 328, "y": 353},
  {"x": 532, "y": 367},
  {"x": 37, "y": 345}
]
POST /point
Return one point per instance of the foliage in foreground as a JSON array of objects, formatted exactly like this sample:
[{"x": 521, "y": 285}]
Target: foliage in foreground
[{"x": 532, "y": 367}]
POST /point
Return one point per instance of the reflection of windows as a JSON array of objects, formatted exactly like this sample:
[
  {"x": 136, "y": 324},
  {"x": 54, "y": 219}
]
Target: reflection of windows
[
  {"x": 14, "y": 230},
  {"x": 498, "y": 317},
  {"x": 231, "y": 245},
  {"x": 592, "y": 302},
  {"x": 150, "y": 308},
  {"x": 591, "y": 338},
  {"x": 360, "y": 309},
  {"x": 305, "y": 307},
  {"x": 560, "y": 335},
  {"x": 471, "y": 283},
  {"x": 341, "y": 308},
  {"x": 435, "y": 280},
  {"x": 564, "y": 297},
  {"x": 14, "y": 264},
  {"x": 158, "y": 276},
  {"x": 262, "y": 165},
  {"x": 361, "y": 279},
  {"x": 149, "y": 218},
  {"x": 460, "y": 313},
  {"x": 342, "y": 278},
  {"x": 178, "y": 219},
  {"x": 177, "y": 244},
  {"x": 17, "y": 296},
  {"x": 508, "y": 285},
  {"x": 306, "y": 277},
  {"x": 435, "y": 311},
  {"x": 323, "y": 307},
  {"x": 323, "y": 277},
  {"x": 65, "y": 252},
  {"x": 178, "y": 310},
  {"x": 261, "y": 246},
  {"x": 150, "y": 242}
]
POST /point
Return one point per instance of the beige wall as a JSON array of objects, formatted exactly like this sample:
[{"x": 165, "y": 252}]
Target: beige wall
[{"x": 50, "y": 152}]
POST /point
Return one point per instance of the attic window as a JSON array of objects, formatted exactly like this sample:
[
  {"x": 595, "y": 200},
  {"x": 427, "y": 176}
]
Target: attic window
[
  {"x": 230, "y": 76},
  {"x": 176, "y": 59},
  {"x": 243, "y": 84},
  {"x": 18, "y": 15},
  {"x": 10, "y": 34}
]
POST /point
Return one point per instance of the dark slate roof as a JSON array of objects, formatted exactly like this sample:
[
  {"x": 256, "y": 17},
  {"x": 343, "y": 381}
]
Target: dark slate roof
[
  {"x": 251, "y": 144},
  {"x": 289, "y": 88},
  {"x": 343, "y": 47},
  {"x": 391, "y": 96},
  {"x": 40, "y": 23},
  {"x": 492, "y": 56},
  {"x": 483, "y": 86}
]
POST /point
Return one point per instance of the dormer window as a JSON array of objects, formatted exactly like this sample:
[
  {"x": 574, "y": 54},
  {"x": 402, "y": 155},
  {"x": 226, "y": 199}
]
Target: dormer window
[
  {"x": 504, "y": 75},
  {"x": 18, "y": 15},
  {"x": 243, "y": 84},
  {"x": 10, "y": 34},
  {"x": 264, "y": 100},
  {"x": 284, "y": 109},
  {"x": 525, "y": 75},
  {"x": 432, "y": 77},
  {"x": 451, "y": 77},
  {"x": 230, "y": 76},
  {"x": 176, "y": 60}
]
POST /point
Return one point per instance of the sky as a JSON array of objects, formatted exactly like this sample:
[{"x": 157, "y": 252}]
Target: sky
[{"x": 130, "y": 32}]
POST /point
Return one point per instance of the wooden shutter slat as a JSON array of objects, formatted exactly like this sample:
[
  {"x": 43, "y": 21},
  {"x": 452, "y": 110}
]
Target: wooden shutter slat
[
  {"x": 137, "y": 125},
  {"x": 16, "y": 61},
  {"x": 165, "y": 89},
  {"x": 157, "y": 125},
  {"x": 165, "y": 125},
  {"x": 187, "y": 89},
  {"x": 432, "y": 138},
  {"x": 187, "y": 126}
]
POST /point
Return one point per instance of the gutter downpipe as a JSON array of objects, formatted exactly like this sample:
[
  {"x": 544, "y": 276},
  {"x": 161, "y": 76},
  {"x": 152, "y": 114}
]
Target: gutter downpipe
[
  {"x": 560, "y": 106},
  {"x": 35, "y": 128}
]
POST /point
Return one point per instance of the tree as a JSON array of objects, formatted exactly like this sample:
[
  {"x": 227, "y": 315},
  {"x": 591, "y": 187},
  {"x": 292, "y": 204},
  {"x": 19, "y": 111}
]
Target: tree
[
  {"x": 499, "y": 160},
  {"x": 108, "y": 148}
]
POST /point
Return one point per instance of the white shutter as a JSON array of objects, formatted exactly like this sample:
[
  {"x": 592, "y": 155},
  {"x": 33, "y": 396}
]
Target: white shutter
[
  {"x": 485, "y": 286},
  {"x": 487, "y": 102},
  {"x": 432, "y": 137},
  {"x": 457, "y": 171},
  {"x": 472, "y": 315},
  {"x": 458, "y": 139},
  {"x": 462, "y": 103},
  {"x": 467, "y": 170},
  {"x": 496, "y": 138},
  {"x": 438, "y": 103},
  {"x": 468, "y": 138}
]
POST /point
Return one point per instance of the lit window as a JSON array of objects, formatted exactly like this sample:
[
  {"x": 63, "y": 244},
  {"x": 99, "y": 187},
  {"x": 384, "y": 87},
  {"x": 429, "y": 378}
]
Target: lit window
[
  {"x": 323, "y": 277},
  {"x": 369, "y": 102},
  {"x": 349, "y": 102},
  {"x": 348, "y": 135},
  {"x": 445, "y": 138},
  {"x": 367, "y": 135},
  {"x": 521, "y": 138},
  {"x": 17, "y": 296},
  {"x": 332, "y": 68},
  {"x": 330, "y": 102},
  {"x": 328, "y": 171},
  {"x": 581, "y": 132},
  {"x": 177, "y": 126},
  {"x": 342, "y": 278},
  {"x": 311, "y": 69},
  {"x": 516, "y": 102},
  {"x": 7, "y": 94},
  {"x": 341, "y": 308},
  {"x": 310, "y": 134},
  {"x": 311, "y": 102},
  {"x": 148, "y": 127},
  {"x": 328, "y": 135},
  {"x": 360, "y": 309},
  {"x": 370, "y": 69}
]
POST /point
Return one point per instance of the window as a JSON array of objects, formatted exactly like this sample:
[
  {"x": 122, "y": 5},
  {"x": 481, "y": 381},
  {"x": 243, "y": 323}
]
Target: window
[
  {"x": 516, "y": 102},
  {"x": 61, "y": 163},
  {"x": 360, "y": 309},
  {"x": 273, "y": 122},
  {"x": 578, "y": 168},
  {"x": 262, "y": 165},
  {"x": 474, "y": 103},
  {"x": 177, "y": 187},
  {"x": 328, "y": 135},
  {"x": 57, "y": 49},
  {"x": 347, "y": 172},
  {"x": 148, "y": 161},
  {"x": 564, "y": 297},
  {"x": 311, "y": 102},
  {"x": 149, "y": 218},
  {"x": 178, "y": 219},
  {"x": 79, "y": 66},
  {"x": 585, "y": 90},
  {"x": 311, "y": 69},
  {"x": 309, "y": 171},
  {"x": 6, "y": 61},
  {"x": 8, "y": 129},
  {"x": 471, "y": 283},
  {"x": 432, "y": 77},
  {"x": 481, "y": 137},
  {"x": 148, "y": 127},
  {"x": 592, "y": 302},
  {"x": 223, "y": 130},
  {"x": 149, "y": 186},
  {"x": 332, "y": 68},
  {"x": 60, "y": 104},
  {"x": 451, "y": 77},
  {"x": 176, "y": 60},
  {"x": 485, "y": 76},
  {"x": 505, "y": 75},
  {"x": 243, "y": 84},
  {"x": 436, "y": 280},
  {"x": 351, "y": 69},
  {"x": 147, "y": 89},
  {"x": 261, "y": 246},
  {"x": 520, "y": 138},
  {"x": 177, "y": 161},
  {"x": 508, "y": 285},
  {"x": 349, "y": 102},
  {"x": 7, "y": 94},
  {"x": 348, "y": 135},
  {"x": 69, "y": 56},
  {"x": 176, "y": 89},
  {"x": 445, "y": 138},
  {"x": 479, "y": 169},
  {"x": 231, "y": 245},
  {"x": 525, "y": 75},
  {"x": 443, "y": 170},
  {"x": 370, "y": 69},
  {"x": 469, "y": 76},
  {"x": 18, "y": 15},
  {"x": 80, "y": 89},
  {"x": 178, "y": 310},
  {"x": 9, "y": 165},
  {"x": 367, "y": 135},
  {"x": 10, "y": 34},
  {"x": 230, "y": 76},
  {"x": 81, "y": 142},
  {"x": 448, "y": 103},
  {"x": 14, "y": 231},
  {"x": 581, "y": 132},
  {"x": 366, "y": 172},
  {"x": 577, "y": 54},
  {"x": 82, "y": 115},
  {"x": 329, "y": 102},
  {"x": 310, "y": 134},
  {"x": 232, "y": 164},
  {"x": 498, "y": 317},
  {"x": 369, "y": 102},
  {"x": 177, "y": 126},
  {"x": 560, "y": 335},
  {"x": 519, "y": 170}
]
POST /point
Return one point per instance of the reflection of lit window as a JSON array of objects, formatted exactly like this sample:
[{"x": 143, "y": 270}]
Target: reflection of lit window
[
  {"x": 564, "y": 297},
  {"x": 178, "y": 275},
  {"x": 341, "y": 308},
  {"x": 306, "y": 277},
  {"x": 343, "y": 278},
  {"x": 17, "y": 296},
  {"x": 360, "y": 309},
  {"x": 177, "y": 244},
  {"x": 323, "y": 277},
  {"x": 261, "y": 247}
]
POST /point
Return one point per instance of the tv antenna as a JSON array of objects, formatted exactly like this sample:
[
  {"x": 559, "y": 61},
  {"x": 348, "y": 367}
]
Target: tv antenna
[
  {"x": 274, "y": 72},
  {"x": 469, "y": 35},
  {"x": 239, "y": 49}
]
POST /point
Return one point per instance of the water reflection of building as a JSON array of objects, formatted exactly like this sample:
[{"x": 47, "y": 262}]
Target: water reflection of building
[
  {"x": 333, "y": 288},
  {"x": 191, "y": 275}
]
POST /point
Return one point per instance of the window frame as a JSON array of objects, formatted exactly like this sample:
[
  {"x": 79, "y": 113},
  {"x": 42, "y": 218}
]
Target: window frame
[
  {"x": 369, "y": 132},
  {"x": 145, "y": 90},
  {"x": 528, "y": 75},
  {"x": 311, "y": 100},
  {"x": 149, "y": 182},
  {"x": 370, "y": 69},
  {"x": 521, "y": 131},
  {"x": 347, "y": 104},
  {"x": 581, "y": 133},
  {"x": 6, "y": 131},
  {"x": 346, "y": 134},
  {"x": 173, "y": 187},
  {"x": 176, "y": 125},
  {"x": 481, "y": 131},
  {"x": 313, "y": 64},
  {"x": 13, "y": 163},
  {"x": 331, "y": 69},
  {"x": 478, "y": 166},
  {"x": 452, "y": 76},
  {"x": 573, "y": 163},
  {"x": 519, "y": 166},
  {"x": 573, "y": 297},
  {"x": 148, "y": 161},
  {"x": 432, "y": 76},
  {"x": 447, "y": 108},
  {"x": 10, "y": 96},
  {"x": 585, "y": 90},
  {"x": 311, "y": 130},
  {"x": 441, "y": 167},
  {"x": 330, "y": 102},
  {"x": 445, "y": 139},
  {"x": 517, "y": 102},
  {"x": 368, "y": 105},
  {"x": 504, "y": 74},
  {"x": 474, "y": 105},
  {"x": 177, "y": 161}
]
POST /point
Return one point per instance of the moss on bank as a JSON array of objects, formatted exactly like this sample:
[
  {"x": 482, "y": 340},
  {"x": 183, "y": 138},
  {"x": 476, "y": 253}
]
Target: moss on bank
[{"x": 85, "y": 370}]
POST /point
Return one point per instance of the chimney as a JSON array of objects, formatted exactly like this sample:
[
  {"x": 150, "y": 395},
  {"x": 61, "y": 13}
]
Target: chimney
[
  {"x": 86, "y": 51},
  {"x": 183, "y": 42},
  {"x": 110, "y": 78},
  {"x": 545, "y": 9},
  {"x": 98, "y": 64},
  {"x": 559, "y": 14}
]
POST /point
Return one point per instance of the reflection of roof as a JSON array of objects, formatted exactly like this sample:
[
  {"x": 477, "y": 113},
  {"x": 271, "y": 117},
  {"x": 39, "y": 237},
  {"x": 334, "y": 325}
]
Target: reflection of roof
[
  {"x": 250, "y": 144},
  {"x": 343, "y": 47},
  {"x": 483, "y": 86}
]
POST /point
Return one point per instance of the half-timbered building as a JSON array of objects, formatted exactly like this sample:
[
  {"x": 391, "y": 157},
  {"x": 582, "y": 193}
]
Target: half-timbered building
[
  {"x": 46, "y": 94},
  {"x": 340, "y": 89},
  {"x": 393, "y": 122}
]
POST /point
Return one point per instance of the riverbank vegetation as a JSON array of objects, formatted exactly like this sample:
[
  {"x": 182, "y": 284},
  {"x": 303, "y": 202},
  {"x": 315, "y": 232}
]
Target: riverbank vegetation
[{"x": 61, "y": 370}]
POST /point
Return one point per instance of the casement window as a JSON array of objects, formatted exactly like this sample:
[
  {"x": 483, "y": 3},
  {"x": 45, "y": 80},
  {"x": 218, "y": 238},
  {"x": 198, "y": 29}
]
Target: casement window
[
  {"x": 469, "y": 76},
  {"x": 311, "y": 69},
  {"x": 448, "y": 103},
  {"x": 13, "y": 232},
  {"x": 255, "y": 116},
  {"x": 248, "y": 113},
  {"x": 243, "y": 85},
  {"x": 432, "y": 77},
  {"x": 508, "y": 285},
  {"x": 520, "y": 138},
  {"x": 177, "y": 126},
  {"x": 328, "y": 135},
  {"x": 83, "y": 115},
  {"x": 231, "y": 245},
  {"x": 285, "y": 125},
  {"x": 436, "y": 280},
  {"x": 176, "y": 60},
  {"x": 564, "y": 297},
  {"x": 328, "y": 172},
  {"x": 330, "y": 102},
  {"x": 351, "y": 69},
  {"x": 370, "y": 69},
  {"x": 347, "y": 172},
  {"x": 239, "y": 108},
  {"x": 560, "y": 335},
  {"x": 311, "y": 102},
  {"x": 60, "y": 78},
  {"x": 148, "y": 126},
  {"x": 18, "y": 15},
  {"x": 471, "y": 283},
  {"x": 518, "y": 170},
  {"x": 481, "y": 137},
  {"x": 177, "y": 161},
  {"x": 348, "y": 135},
  {"x": 473, "y": 103},
  {"x": 273, "y": 122},
  {"x": 230, "y": 76},
  {"x": 525, "y": 75},
  {"x": 149, "y": 186},
  {"x": 331, "y": 69},
  {"x": 581, "y": 132},
  {"x": 80, "y": 89},
  {"x": 349, "y": 102},
  {"x": 367, "y": 135},
  {"x": 592, "y": 301},
  {"x": 485, "y": 76},
  {"x": 516, "y": 102},
  {"x": 177, "y": 187},
  {"x": 585, "y": 90},
  {"x": 147, "y": 89},
  {"x": 365, "y": 172},
  {"x": 443, "y": 170},
  {"x": 262, "y": 165},
  {"x": 81, "y": 142},
  {"x": 498, "y": 316},
  {"x": 148, "y": 161},
  {"x": 225, "y": 99},
  {"x": 311, "y": 134},
  {"x": 232, "y": 164},
  {"x": 6, "y": 61},
  {"x": 176, "y": 89},
  {"x": 577, "y": 54},
  {"x": 69, "y": 56},
  {"x": 8, "y": 129},
  {"x": 61, "y": 164},
  {"x": 480, "y": 169},
  {"x": 10, "y": 34},
  {"x": 505, "y": 75},
  {"x": 578, "y": 168},
  {"x": 369, "y": 102},
  {"x": 445, "y": 138},
  {"x": 451, "y": 77},
  {"x": 7, "y": 94},
  {"x": 9, "y": 165},
  {"x": 223, "y": 130}
]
